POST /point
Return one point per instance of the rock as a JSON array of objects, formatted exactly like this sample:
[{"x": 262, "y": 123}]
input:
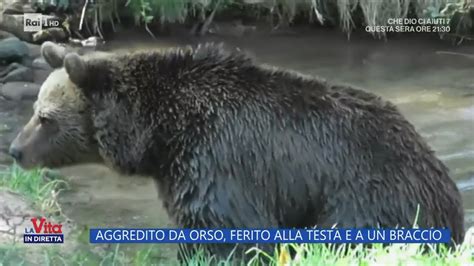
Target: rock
[
  {"x": 5, "y": 159},
  {"x": 14, "y": 8},
  {"x": 93, "y": 42},
  {"x": 40, "y": 75},
  {"x": 19, "y": 90},
  {"x": 18, "y": 7},
  {"x": 51, "y": 34},
  {"x": 16, "y": 213},
  {"x": 5, "y": 34},
  {"x": 5, "y": 3},
  {"x": 16, "y": 72},
  {"x": 5, "y": 128},
  {"x": 35, "y": 50},
  {"x": 13, "y": 50},
  {"x": 40, "y": 63},
  {"x": 14, "y": 24}
]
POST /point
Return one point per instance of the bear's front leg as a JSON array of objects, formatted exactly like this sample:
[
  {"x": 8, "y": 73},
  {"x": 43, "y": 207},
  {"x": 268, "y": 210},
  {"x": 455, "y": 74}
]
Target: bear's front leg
[{"x": 215, "y": 205}]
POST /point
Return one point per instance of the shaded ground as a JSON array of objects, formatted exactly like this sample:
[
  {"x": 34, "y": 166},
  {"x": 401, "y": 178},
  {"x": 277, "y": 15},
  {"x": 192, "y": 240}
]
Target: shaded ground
[{"x": 103, "y": 199}]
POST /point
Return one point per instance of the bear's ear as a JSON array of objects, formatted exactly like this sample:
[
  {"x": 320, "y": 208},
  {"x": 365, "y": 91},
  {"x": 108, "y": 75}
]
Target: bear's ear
[
  {"x": 53, "y": 54},
  {"x": 76, "y": 68}
]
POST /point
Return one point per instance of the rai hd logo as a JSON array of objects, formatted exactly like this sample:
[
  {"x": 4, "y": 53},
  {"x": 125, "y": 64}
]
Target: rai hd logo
[
  {"x": 34, "y": 22},
  {"x": 43, "y": 232}
]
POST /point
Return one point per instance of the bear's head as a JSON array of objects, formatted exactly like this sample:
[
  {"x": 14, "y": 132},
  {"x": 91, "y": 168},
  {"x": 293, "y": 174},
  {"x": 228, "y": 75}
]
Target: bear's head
[{"x": 60, "y": 131}]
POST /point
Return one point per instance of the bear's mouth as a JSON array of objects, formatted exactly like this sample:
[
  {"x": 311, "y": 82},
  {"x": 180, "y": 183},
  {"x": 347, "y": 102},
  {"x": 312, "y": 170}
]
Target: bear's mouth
[{"x": 27, "y": 164}]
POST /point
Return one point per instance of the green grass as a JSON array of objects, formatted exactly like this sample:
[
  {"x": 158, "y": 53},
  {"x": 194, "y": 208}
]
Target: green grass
[
  {"x": 35, "y": 186},
  {"x": 399, "y": 254},
  {"x": 306, "y": 255},
  {"x": 114, "y": 255},
  {"x": 346, "y": 14}
]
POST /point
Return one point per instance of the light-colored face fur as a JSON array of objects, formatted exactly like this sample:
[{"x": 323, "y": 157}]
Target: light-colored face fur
[{"x": 60, "y": 131}]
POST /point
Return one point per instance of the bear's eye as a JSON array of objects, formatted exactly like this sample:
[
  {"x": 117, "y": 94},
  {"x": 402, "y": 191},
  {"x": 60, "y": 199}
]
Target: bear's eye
[{"x": 44, "y": 120}]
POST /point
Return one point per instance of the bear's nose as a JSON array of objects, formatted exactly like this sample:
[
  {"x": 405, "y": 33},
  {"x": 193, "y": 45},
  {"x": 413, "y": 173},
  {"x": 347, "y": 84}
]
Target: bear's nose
[{"x": 15, "y": 153}]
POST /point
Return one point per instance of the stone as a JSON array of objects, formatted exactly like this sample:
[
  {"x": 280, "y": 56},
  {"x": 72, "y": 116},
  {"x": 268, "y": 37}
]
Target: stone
[
  {"x": 5, "y": 128},
  {"x": 5, "y": 34},
  {"x": 20, "y": 91},
  {"x": 40, "y": 63},
  {"x": 40, "y": 75},
  {"x": 35, "y": 50},
  {"x": 5, "y": 159},
  {"x": 16, "y": 213},
  {"x": 16, "y": 72},
  {"x": 14, "y": 24},
  {"x": 18, "y": 7},
  {"x": 13, "y": 8},
  {"x": 51, "y": 34},
  {"x": 4, "y": 4},
  {"x": 13, "y": 50}
]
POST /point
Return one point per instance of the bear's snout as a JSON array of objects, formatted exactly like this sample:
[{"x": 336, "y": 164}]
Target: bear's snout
[
  {"x": 25, "y": 147},
  {"x": 18, "y": 152},
  {"x": 15, "y": 153}
]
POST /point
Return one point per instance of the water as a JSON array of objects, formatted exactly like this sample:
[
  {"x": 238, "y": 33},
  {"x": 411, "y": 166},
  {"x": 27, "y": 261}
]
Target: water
[{"x": 435, "y": 92}]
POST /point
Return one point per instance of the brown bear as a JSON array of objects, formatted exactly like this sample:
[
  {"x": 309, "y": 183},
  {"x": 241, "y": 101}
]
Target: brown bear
[{"x": 234, "y": 144}]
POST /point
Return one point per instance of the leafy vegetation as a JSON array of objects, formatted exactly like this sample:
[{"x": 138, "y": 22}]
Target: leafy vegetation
[
  {"x": 39, "y": 186},
  {"x": 42, "y": 188},
  {"x": 346, "y": 14},
  {"x": 306, "y": 254}
]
